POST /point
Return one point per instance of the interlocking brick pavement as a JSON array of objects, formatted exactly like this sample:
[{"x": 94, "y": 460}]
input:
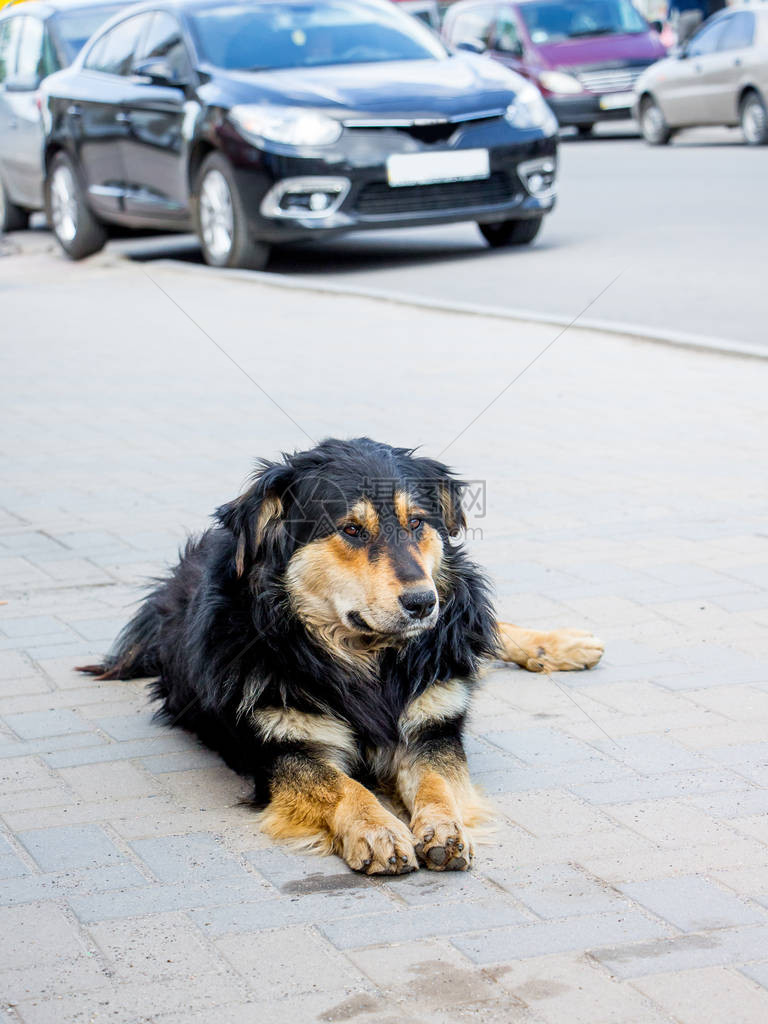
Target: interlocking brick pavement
[{"x": 627, "y": 882}]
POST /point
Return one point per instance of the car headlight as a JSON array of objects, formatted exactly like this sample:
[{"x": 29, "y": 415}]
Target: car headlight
[
  {"x": 529, "y": 110},
  {"x": 287, "y": 125},
  {"x": 558, "y": 81}
]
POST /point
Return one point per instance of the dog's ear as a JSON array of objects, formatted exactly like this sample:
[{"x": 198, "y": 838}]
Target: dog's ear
[
  {"x": 256, "y": 517},
  {"x": 447, "y": 492}
]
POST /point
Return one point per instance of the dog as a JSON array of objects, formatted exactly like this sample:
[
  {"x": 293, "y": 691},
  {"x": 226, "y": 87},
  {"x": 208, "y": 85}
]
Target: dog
[{"x": 325, "y": 637}]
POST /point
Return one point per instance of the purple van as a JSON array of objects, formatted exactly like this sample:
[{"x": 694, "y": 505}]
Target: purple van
[{"x": 584, "y": 55}]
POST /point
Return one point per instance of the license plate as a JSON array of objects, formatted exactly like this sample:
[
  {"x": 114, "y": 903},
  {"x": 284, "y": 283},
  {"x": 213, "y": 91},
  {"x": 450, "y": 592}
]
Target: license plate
[
  {"x": 432, "y": 168},
  {"x": 617, "y": 101}
]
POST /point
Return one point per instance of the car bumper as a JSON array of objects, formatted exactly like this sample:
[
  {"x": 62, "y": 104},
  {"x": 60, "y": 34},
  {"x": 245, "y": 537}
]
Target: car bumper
[
  {"x": 353, "y": 179},
  {"x": 589, "y": 108}
]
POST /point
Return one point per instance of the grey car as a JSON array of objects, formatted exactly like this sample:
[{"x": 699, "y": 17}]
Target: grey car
[
  {"x": 36, "y": 39},
  {"x": 719, "y": 77}
]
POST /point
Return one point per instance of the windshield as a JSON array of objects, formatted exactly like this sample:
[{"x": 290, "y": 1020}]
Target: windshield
[
  {"x": 265, "y": 36},
  {"x": 73, "y": 29},
  {"x": 549, "y": 22}
]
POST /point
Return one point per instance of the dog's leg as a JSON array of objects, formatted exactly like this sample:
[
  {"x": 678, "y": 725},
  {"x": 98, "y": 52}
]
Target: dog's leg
[
  {"x": 433, "y": 783},
  {"x": 559, "y": 650},
  {"x": 317, "y": 804}
]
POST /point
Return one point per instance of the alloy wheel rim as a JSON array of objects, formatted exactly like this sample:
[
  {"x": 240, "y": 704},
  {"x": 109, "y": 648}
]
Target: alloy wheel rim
[
  {"x": 64, "y": 204},
  {"x": 217, "y": 222},
  {"x": 754, "y": 121}
]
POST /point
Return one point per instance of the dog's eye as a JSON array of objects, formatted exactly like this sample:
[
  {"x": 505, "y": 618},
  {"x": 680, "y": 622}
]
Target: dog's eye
[
  {"x": 352, "y": 529},
  {"x": 414, "y": 523}
]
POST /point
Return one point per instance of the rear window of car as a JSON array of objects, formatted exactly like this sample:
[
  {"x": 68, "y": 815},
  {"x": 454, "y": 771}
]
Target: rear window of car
[
  {"x": 552, "y": 22},
  {"x": 73, "y": 29},
  {"x": 269, "y": 36}
]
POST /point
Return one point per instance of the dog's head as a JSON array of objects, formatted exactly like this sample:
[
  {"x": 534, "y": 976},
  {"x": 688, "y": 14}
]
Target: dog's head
[{"x": 358, "y": 531}]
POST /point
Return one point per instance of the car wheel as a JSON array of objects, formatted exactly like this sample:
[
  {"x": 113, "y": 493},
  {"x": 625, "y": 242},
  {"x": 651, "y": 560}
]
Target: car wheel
[
  {"x": 583, "y": 130},
  {"x": 653, "y": 124},
  {"x": 754, "y": 120},
  {"x": 12, "y": 217},
  {"x": 222, "y": 225},
  {"x": 77, "y": 230},
  {"x": 511, "y": 232}
]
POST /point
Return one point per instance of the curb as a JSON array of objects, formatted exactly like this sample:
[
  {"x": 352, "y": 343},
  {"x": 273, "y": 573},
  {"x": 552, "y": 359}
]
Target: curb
[{"x": 635, "y": 332}]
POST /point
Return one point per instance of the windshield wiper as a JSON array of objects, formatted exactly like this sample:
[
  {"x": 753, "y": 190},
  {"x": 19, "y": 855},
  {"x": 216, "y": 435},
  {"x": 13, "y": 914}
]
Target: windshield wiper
[{"x": 592, "y": 32}]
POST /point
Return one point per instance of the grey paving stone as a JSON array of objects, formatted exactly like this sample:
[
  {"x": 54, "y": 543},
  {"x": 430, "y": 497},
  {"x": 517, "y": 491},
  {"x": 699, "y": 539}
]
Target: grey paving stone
[
  {"x": 734, "y": 803},
  {"x": 296, "y": 873},
  {"x": 32, "y": 725},
  {"x": 314, "y": 908},
  {"x": 31, "y": 888},
  {"x": 74, "y": 846},
  {"x": 148, "y": 899},
  {"x": 168, "y": 742},
  {"x": 132, "y": 727},
  {"x": 542, "y": 746},
  {"x": 652, "y": 754},
  {"x": 586, "y": 932},
  {"x": 694, "y": 904},
  {"x": 686, "y": 952},
  {"x": 182, "y": 761},
  {"x": 11, "y": 866},
  {"x": 194, "y": 856},
  {"x": 558, "y": 890},
  {"x": 630, "y": 788},
  {"x": 32, "y": 625},
  {"x": 403, "y": 926},
  {"x": 49, "y": 744},
  {"x": 569, "y": 774}
]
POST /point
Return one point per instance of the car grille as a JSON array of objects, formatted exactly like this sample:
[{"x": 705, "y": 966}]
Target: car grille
[
  {"x": 380, "y": 199},
  {"x": 611, "y": 79},
  {"x": 427, "y": 132}
]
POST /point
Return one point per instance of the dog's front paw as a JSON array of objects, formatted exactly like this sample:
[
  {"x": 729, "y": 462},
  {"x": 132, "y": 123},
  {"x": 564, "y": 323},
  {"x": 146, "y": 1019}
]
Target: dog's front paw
[
  {"x": 379, "y": 847},
  {"x": 441, "y": 843},
  {"x": 565, "y": 650}
]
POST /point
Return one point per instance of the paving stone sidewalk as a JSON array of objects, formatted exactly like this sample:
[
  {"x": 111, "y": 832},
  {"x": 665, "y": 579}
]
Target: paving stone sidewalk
[{"x": 623, "y": 491}]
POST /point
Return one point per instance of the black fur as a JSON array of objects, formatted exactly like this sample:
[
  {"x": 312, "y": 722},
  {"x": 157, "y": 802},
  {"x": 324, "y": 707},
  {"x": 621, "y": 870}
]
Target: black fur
[{"x": 207, "y": 630}]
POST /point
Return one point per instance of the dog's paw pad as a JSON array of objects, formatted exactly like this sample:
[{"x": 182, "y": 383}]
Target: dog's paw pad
[{"x": 443, "y": 846}]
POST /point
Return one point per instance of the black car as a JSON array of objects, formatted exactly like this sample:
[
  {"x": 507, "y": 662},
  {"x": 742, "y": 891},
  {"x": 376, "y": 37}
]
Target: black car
[
  {"x": 36, "y": 39},
  {"x": 261, "y": 121}
]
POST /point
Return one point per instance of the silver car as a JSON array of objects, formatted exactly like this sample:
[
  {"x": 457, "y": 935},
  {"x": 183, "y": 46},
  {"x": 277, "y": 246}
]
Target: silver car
[
  {"x": 36, "y": 39},
  {"x": 718, "y": 77}
]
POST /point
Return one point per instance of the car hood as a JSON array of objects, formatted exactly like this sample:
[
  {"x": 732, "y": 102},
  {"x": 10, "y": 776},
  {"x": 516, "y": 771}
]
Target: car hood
[
  {"x": 452, "y": 87},
  {"x": 602, "y": 50}
]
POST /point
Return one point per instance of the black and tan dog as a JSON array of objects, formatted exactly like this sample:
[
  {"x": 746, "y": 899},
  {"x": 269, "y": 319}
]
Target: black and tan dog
[{"x": 325, "y": 637}]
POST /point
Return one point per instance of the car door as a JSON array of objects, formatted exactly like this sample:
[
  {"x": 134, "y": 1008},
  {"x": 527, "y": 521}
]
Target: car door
[
  {"x": 506, "y": 43},
  {"x": 10, "y": 33},
  {"x": 692, "y": 100},
  {"x": 157, "y": 106},
  {"x": 98, "y": 119},
  {"x": 736, "y": 49},
  {"x": 23, "y": 155}
]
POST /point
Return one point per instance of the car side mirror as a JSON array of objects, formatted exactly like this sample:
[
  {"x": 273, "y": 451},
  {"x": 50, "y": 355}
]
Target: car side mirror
[
  {"x": 157, "y": 71},
  {"x": 657, "y": 26},
  {"x": 22, "y": 83},
  {"x": 472, "y": 45}
]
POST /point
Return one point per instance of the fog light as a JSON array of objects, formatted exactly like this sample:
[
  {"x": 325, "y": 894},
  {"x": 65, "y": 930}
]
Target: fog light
[
  {"x": 538, "y": 176},
  {"x": 319, "y": 201},
  {"x": 301, "y": 198}
]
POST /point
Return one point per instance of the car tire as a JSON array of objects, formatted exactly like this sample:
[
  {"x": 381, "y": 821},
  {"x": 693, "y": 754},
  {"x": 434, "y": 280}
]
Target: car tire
[
  {"x": 221, "y": 221},
  {"x": 754, "y": 119},
  {"x": 77, "y": 230},
  {"x": 12, "y": 217},
  {"x": 511, "y": 232},
  {"x": 653, "y": 124}
]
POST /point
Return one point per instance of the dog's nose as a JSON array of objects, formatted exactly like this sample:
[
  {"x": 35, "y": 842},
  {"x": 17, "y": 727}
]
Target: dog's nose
[{"x": 418, "y": 603}]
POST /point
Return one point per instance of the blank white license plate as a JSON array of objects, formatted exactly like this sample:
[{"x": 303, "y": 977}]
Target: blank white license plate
[
  {"x": 617, "y": 101},
  {"x": 431, "y": 168}
]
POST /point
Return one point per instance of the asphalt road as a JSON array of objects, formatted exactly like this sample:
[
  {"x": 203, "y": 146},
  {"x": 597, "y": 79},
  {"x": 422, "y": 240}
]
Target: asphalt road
[{"x": 685, "y": 226}]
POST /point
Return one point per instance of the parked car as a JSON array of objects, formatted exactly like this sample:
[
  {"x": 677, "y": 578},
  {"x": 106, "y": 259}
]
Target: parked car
[
  {"x": 260, "y": 121},
  {"x": 584, "y": 55},
  {"x": 719, "y": 77},
  {"x": 36, "y": 39}
]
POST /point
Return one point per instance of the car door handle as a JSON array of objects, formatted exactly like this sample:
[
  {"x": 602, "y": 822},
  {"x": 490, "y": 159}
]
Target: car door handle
[
  {"x": 123, "y": 117},
  {"x": 74, "y": 110},
  {"x": 737, "y": 62}
]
